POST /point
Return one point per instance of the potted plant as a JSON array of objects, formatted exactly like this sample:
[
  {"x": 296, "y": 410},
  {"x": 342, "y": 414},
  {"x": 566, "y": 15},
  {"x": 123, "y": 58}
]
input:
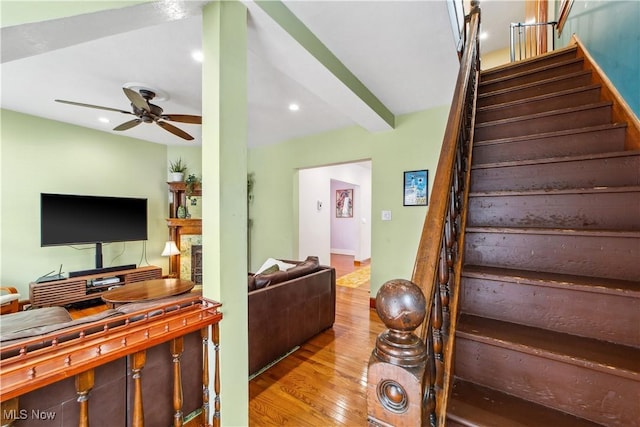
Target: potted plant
[
  {"x": 190, "y": 184},
  {"x": 177, "y": 170}
]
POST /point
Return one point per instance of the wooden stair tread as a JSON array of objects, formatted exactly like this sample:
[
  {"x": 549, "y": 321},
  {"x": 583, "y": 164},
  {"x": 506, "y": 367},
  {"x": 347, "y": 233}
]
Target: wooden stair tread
[
  {"x": 474, "y": 405},
  {"x": 556, "y": 231},
  {"x": 516, "y": 75},
  {"x": 539, "y": 278},
  {"x": 590, "y": 353},
  {"x": 570, "y": 76},
  {"x": 528, "y": 61},
  {"x": 561, "y": 159},
  {"x": 567, "y": 132},
  {"x": 565, "y": 92},
  {"x": 558, "y": 191},
  {"x": 515, "y": 120}
]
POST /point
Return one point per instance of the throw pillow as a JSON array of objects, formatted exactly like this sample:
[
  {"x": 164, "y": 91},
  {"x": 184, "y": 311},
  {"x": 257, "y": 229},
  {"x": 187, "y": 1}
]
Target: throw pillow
[
  {"x": 272, "y": 261},
  {"x": 271, "y": 269}
]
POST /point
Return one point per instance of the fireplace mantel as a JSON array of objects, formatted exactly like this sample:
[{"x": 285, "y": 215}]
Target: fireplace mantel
[{"x": 178, "y": 227}]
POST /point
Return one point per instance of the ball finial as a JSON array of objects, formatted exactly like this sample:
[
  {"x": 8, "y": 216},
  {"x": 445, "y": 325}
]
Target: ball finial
[{"x": 401, "y": 305}]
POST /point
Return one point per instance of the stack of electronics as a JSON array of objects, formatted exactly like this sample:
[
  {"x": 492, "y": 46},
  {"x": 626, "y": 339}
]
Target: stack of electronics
[{"x": 97, "y": 285}]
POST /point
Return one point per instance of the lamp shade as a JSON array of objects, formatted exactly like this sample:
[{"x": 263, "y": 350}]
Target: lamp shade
[{"x": 170, "y": 249}]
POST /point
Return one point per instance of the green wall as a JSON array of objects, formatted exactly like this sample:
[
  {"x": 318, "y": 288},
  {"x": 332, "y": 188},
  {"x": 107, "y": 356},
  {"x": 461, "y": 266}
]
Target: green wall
[
  {"x": 610, "y": 32},
  {"x": 414, "y": 144},
  {"x": 40, "y": 155}
]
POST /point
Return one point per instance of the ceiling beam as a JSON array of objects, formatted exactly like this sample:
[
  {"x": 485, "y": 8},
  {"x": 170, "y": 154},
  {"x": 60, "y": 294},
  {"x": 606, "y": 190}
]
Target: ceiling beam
[{"x": 284, "y": 41}]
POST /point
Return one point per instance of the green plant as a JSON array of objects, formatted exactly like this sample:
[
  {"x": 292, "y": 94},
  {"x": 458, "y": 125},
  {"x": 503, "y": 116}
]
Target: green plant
[
  {"x": 190, "y": 184},
  {"x": 178, "y": 166}
]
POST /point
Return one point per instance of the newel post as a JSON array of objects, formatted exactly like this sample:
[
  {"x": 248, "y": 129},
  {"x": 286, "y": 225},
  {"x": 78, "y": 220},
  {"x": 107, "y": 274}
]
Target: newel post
[{"x": 398, "y": 362}]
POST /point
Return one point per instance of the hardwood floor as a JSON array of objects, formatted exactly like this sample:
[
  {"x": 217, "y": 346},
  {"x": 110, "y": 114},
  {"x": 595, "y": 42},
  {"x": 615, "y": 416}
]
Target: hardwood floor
[{"x": 324, "y": 382}]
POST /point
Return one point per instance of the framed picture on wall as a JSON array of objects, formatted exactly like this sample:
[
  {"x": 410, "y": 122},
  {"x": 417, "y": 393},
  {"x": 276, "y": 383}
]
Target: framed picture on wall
[
  {"x": 344, "y": 203},
  {"x": 416, "y": 188}
]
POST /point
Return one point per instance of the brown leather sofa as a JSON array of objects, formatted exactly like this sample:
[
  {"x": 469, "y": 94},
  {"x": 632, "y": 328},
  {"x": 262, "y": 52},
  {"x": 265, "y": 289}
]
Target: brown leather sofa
[{"x": 286, "y": 308}]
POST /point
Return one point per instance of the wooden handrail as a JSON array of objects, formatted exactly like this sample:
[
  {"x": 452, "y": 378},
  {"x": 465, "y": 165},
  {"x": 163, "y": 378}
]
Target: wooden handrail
[
  {"x": 29, "y": 366},
  {"x": 436, "y": 273}
]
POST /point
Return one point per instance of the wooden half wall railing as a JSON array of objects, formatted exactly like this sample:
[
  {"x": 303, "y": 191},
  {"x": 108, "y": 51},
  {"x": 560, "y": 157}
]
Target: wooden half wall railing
[
  {"x": 32, "y": 364},
  {"x": 409, "y": 375}
]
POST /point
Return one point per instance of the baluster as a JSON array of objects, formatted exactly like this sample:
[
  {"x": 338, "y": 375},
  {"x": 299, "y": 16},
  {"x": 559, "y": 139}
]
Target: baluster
[
  {"x": 176, "y": 347},
  {"x": 443, "y": 278},
  {"x": 137, "y": 360},
  {"x": 84, "y": 384},
  {"x": 395, "y": 388},
  {"x": 204, "y": 334},
  {"x": 430, "y": 394},
  {"x": 216, "y": 375},
  {"x": 436, "y": 330}
]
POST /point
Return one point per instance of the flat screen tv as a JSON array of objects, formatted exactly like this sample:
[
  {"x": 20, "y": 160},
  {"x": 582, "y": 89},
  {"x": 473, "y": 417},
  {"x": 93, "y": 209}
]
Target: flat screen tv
[{"x": 67, "y": 219}]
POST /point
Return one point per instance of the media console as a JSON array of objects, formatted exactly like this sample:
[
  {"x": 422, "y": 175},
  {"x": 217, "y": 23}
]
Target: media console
[{"x": 87, "y": 287}]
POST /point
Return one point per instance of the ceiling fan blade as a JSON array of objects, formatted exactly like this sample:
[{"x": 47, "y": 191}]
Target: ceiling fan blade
[
  {"x": 174, "y": 130},
  {"x": 80, "y": 104},
  {"x": 137, "y": 99},
  {"x": 128, "y": 125},
  {"x": 184, "y": 118}
]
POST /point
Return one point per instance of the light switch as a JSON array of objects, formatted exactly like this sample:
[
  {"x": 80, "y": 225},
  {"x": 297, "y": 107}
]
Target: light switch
[{"x": 386, "y": 215}]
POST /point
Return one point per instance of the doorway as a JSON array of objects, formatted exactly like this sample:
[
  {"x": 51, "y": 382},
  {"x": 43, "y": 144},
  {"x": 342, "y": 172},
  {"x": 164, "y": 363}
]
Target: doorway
[{"x": 318, "y": 213}]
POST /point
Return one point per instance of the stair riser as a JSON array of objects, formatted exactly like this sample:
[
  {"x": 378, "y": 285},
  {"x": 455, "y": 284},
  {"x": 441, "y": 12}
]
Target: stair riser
[
  {"x": 594, "y": 395},
  {"x": 550, "y": 123},
  {"x": 528, "y": 65},
  {"x": 593, "y": 255},
  {"x": 601, "y": 141},
  {"x": 534, "y": 90},
  {"x": 544, "y": 73},
  {"x": 572, "y": 99},
  {"x": 609, "y": 172},
  {"x": 580, "y": 211},
  {"x": 566, "y": 310}
]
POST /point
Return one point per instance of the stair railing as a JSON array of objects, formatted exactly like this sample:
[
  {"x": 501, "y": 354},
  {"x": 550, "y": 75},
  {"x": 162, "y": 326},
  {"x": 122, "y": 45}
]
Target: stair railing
[
  {"x": 410, "y": 375},
  {"x": 530, "y": 39}
]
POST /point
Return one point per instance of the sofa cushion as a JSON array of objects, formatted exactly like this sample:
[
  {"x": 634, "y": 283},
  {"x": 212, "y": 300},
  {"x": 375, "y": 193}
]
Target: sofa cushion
[
  {"x": 42, "y": 321},
  {"x": 308, "y": 266},
  {"x": 264, "y": 280}
]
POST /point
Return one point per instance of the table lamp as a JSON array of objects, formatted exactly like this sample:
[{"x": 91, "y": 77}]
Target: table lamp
[{"x": 170, "y": 249}]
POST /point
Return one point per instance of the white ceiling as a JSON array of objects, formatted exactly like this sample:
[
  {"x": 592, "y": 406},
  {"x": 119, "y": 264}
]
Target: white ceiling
[{"x": 402, "y": 51}]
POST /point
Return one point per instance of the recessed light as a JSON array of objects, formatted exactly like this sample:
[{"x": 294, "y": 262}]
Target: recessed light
[
  {"x": 197, "y": 55},
  {"x": 104, "y": 120},
  {"x": 294, "y": 107},
  {"x": 484, "y": 35}
]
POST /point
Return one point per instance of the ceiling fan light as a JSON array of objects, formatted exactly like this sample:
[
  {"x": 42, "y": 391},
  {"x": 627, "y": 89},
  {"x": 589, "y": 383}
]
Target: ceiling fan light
[{"x": 103, "y": 120}]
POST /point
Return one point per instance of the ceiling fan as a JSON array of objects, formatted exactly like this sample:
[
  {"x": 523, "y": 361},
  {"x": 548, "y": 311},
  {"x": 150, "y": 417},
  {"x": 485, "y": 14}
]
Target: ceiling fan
[{"x": 146, "y": 112}]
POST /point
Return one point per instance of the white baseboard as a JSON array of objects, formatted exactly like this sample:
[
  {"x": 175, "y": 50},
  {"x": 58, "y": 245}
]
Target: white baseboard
[{"x": 343, "y": 252}]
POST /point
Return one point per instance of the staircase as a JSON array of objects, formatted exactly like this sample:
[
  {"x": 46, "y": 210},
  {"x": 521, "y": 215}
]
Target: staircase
[{"x": 549, "y": 326}]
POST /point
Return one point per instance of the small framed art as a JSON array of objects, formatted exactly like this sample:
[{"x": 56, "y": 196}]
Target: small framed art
[
  {"x": 415, "y": 191},
  {"x": 344, "y": 203}
]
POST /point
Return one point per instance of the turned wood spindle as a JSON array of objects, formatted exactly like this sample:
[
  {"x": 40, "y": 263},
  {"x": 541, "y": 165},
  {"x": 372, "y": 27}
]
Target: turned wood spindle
[
  {"x": 138, "y": 360},
  {"x": 216, "y": 376},
  {"x": 84, "y": 384},
  {"x": 204, "y": 334},
  {"x": 176, "y": 347}
]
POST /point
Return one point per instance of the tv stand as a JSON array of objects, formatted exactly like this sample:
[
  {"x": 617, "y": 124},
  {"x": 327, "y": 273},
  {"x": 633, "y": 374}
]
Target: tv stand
[{"x": 77, "y": 289}]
